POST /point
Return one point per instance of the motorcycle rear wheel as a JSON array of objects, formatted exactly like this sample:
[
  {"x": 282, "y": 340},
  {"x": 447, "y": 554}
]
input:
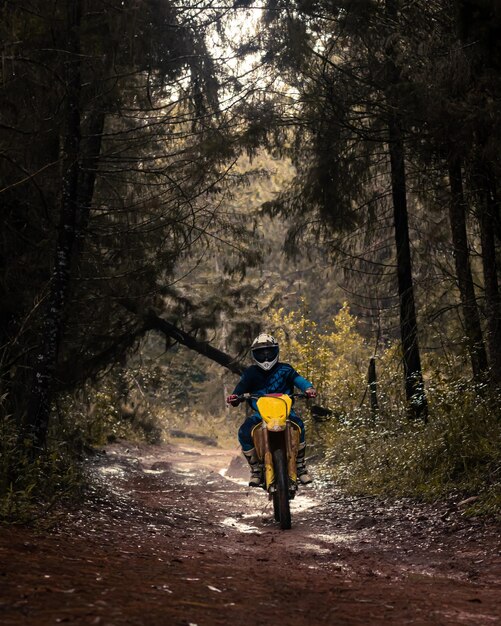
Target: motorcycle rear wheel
[{"x": 281, "y": 504}]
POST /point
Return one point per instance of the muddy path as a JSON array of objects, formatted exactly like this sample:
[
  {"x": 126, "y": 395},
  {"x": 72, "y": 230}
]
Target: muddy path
[{"x": 167, "y": 539}]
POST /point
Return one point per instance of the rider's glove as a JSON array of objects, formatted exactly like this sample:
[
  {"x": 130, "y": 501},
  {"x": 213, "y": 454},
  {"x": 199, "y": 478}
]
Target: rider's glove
[
  {"x": 233, "y": 399},
  {"x": 311, "y": 393}
]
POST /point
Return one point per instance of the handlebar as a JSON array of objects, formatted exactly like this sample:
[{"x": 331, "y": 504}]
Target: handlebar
[{"x": 250, "y": 396}]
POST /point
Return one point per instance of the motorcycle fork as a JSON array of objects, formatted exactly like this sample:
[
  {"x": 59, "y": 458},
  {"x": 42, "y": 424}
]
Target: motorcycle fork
[
  {"x": 260, "y": 435},
  {"x": 292, "y": 443},
  {"x": 265, "y": 442}
]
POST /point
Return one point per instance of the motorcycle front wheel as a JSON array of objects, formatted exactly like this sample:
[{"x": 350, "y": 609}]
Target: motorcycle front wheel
[
  {"x": 281, "y": 504},
  {"x": 276, "y": 507}
]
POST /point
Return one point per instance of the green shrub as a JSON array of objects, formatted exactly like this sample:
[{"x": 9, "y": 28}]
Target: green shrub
[{"x": 98, "y": 414}]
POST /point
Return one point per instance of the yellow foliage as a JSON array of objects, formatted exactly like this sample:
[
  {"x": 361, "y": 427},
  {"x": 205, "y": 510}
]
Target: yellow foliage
[{"x": 334, "y": 358}]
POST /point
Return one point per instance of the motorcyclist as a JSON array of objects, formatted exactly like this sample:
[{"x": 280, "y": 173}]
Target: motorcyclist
[{"x": 268, "y": 375}]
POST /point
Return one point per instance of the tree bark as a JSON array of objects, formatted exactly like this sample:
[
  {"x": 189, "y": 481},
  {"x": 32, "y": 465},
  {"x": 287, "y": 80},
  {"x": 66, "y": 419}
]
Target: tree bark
[
  {"x": 40, "y": 400},
  {"x": 414, "y": 385},
  {"x": 492, "y": 295},
  {"x": 372, "y": 383},
  {"x": 457, "y": 217}
]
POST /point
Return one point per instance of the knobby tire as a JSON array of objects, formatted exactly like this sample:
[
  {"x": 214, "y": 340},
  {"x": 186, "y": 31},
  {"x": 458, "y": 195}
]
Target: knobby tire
[
  {"x": 281, "y": 496},
  {"x": 276, "y": 507}
]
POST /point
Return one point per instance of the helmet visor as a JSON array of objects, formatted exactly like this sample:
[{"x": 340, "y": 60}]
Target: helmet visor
[{"x": 268, "y": 353}]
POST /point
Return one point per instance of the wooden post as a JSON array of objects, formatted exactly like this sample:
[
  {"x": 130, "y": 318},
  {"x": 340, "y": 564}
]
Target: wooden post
[{"x": 372, "y": 382}]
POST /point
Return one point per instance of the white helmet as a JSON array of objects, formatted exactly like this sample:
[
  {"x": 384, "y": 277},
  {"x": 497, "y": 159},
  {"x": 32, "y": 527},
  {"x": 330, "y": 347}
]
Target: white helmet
[{"x": 264, "y": 351}]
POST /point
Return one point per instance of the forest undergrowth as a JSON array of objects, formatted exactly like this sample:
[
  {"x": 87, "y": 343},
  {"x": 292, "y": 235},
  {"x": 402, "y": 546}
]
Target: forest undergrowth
[
  {"x": 32, "y": 486},
  {"x": 455, "y": 454}
]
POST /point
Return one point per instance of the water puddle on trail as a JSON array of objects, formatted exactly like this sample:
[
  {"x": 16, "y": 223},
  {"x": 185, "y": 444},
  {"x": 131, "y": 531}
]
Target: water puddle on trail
[
  {"x": 419, "y": 573},
  {"x": 304, "y": 502},
  {"x": 236, "y": 481},
  {"x": 112, "y": 470},
  {"x": 344, "y": 537},
  {"x": 258, "y": 510},
  {"x": 314, "y": 547},
  {"x": 322, "y": 544},
  {"x": 466, "y": 617},
  {"x": 189, "y": 474},
  {"x": 236, "y": 524}
]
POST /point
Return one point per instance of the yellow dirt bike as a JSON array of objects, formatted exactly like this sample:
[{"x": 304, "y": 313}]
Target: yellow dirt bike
[{"x": 276, "y": 440}]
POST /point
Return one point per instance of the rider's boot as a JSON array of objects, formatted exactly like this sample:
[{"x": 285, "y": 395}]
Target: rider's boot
[
  {"x": 256, "y": 477},
  {"x": 302, "y": 473}
]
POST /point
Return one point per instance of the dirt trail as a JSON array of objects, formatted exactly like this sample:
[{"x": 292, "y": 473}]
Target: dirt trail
[{"x": 169, "y": 540}]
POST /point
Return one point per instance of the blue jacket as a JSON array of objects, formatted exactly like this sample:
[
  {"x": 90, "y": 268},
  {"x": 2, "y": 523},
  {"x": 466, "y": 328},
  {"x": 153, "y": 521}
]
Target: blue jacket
[{"x": 282, "y": 378}]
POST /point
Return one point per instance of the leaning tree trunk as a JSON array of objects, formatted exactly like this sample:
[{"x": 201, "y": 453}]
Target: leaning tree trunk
[
  {"x": 40, "y": 400},
  {"x": 153, "y": 322},
  {"x": 457, "y": 217}
]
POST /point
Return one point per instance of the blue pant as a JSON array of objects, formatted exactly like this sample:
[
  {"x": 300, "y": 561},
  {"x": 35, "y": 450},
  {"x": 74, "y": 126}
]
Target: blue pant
[{"x": 245, "y": 431}]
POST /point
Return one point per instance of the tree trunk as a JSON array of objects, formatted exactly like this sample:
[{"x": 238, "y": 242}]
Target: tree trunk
[
  {"x": 457, "y": 217},
  {"x": 39, "y": 404},
  {"x": 372, "y": 382},
  {"x": 492, "y": 296},
  {"x": 414, "y": 385}
]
